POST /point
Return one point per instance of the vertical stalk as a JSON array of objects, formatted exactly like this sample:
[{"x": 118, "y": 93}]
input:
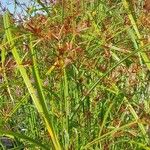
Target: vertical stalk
[
  {"x": 141, "y": 44},
  {"x": 66, "y": 103}
]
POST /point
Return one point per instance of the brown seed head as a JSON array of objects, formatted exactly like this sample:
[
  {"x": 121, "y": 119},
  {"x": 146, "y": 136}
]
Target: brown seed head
[{"x": 147, "y": 5}]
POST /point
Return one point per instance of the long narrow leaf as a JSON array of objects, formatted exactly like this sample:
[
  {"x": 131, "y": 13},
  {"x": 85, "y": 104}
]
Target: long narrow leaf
[{"x": 39, "y": 105}]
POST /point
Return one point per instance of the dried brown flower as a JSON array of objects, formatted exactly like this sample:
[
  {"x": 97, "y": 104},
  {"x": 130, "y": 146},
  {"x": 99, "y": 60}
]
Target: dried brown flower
[{"x": 147, "y": 5}]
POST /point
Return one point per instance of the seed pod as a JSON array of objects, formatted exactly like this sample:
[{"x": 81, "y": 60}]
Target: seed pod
[{"x": 147, "y": 5}]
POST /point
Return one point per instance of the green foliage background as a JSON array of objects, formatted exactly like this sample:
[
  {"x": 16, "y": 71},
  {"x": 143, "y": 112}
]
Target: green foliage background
[{"x": 76, "y": 76}]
